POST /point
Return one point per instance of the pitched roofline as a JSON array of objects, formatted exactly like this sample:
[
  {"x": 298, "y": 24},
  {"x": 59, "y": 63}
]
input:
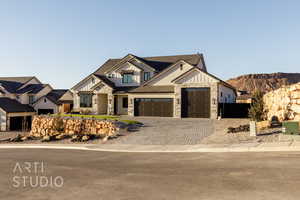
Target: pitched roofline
[
  {"x": 196, "y": 68},
  {"x": 46, "y": 98},
  {"x": 86, "y": 78},
  {"x": 115, "y": 66},
  {"x": 164, "y": 71},
  {"x": 24, "y": 84}
]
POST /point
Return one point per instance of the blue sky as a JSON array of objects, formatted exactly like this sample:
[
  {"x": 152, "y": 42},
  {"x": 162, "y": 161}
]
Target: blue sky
[{"x": 62, "y": 41}]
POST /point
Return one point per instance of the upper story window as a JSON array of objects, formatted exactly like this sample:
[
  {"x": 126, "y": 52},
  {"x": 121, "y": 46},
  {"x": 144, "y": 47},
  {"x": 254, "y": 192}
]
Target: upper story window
[
  {"x": 93, "y": 80},
  {"x": 146, "y": 76},
  {"x": 86, "y": 100},
  {"x": 127, "y": 78},
  {"x": 30, "y": 99},
  {"x": 111, "y": 75}
]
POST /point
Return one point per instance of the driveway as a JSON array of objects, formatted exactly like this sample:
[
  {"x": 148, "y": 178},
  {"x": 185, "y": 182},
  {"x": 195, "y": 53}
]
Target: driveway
[
  {"x": 168, "y": 131},
  {"x": 135, "y": 176}
]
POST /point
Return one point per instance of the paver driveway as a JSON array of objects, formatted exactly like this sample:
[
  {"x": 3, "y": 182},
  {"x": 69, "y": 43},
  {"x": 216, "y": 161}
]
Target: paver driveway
[{"x": 168, "y": 131}]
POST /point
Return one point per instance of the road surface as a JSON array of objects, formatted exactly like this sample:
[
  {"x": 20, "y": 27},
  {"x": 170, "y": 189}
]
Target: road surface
[{"x": 105, "y": 175}]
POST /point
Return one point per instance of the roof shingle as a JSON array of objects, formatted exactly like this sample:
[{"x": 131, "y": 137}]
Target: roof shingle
[{"x": 13, "y": 106}]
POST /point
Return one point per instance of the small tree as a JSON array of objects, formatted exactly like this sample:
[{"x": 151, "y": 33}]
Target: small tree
[{"x": 256, "y": 111}]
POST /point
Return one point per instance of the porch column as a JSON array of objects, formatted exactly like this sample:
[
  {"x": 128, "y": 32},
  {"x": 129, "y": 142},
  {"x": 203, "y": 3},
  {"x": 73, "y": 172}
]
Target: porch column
[
  {"x": 110, "y": 104},
  {"x": 130, "y": 105}
]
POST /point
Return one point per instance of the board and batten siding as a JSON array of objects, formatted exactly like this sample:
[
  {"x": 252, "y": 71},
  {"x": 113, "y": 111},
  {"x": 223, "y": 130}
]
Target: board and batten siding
[
  {"x": 170, "y": 75},
  {"x": 118, "y": 76}
]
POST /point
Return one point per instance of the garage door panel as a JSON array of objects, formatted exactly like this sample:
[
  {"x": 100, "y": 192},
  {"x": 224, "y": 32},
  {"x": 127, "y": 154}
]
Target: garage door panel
[
  {"x": 195, "y": 102},
  {"x": 160, "y": 107}
]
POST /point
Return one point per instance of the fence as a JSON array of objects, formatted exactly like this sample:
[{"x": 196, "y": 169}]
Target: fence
[{"x": 234, "y": 110}]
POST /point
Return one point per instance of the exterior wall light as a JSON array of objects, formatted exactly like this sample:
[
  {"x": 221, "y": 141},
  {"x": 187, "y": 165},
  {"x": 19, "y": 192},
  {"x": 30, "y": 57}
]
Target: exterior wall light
[{"x": 178, "y": 101}]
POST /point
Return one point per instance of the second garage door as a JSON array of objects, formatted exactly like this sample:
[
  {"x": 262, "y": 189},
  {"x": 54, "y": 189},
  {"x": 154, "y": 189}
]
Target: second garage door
[
  {"x": 160, "y": 107},
  {"x": 195, "y": 102},
  {"x": 45, "y": 111}
]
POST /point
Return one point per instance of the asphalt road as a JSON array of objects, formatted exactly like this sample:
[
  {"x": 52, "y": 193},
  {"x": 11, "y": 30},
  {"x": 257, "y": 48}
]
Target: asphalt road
[{"x": 103, "y": 175}]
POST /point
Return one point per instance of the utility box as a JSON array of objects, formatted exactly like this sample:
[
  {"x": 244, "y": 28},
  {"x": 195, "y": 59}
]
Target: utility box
[{"x": 290, "y": 127}]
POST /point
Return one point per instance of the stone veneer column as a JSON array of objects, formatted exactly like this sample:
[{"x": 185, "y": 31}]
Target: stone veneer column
[
  {"x": 177, "y": 101},
  {"x": 110, "y": 104},
  {"x": 130, "y": 109}
]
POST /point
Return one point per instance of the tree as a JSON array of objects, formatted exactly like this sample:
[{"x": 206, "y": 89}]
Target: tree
[{"x": 256, "y": 111}]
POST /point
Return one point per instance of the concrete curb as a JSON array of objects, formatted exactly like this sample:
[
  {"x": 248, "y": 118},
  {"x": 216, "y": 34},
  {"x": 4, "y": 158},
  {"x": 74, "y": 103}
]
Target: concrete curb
[{"x": 220, "y": 148}]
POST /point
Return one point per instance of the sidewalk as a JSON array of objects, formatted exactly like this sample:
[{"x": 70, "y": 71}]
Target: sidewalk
[{"x": 245, "y": 147}]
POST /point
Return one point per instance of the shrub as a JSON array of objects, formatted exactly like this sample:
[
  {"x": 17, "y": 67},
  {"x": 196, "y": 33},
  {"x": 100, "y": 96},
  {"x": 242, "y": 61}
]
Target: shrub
[{"x": 256, "y": 111}]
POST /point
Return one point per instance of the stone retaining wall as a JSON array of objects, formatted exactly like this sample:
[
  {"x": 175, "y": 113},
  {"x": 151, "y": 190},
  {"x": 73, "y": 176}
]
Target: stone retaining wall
[
  {"x": 48, "y": 126},
  {"x": 283, "y": 103}
]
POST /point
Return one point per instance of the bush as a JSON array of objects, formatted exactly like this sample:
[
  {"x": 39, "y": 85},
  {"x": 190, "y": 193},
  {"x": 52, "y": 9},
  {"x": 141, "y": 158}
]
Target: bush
[{"x": 256, "y": 111}]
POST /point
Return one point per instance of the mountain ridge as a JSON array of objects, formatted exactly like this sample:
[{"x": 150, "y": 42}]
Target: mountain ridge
[{"x": 264, "y": 82}]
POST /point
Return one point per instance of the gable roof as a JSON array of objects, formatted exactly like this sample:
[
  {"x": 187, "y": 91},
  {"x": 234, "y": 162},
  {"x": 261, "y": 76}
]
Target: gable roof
[
  {"x": 55, "y": 95},
  {"x": 12, "y": 84},
  {"x": 105, "y": 80},
  {"x": 196, "y": 68},
  {"x": 159, "y": 63},
  {"x": 12, "y": 106},
  {"x": 31, "y": 88}
]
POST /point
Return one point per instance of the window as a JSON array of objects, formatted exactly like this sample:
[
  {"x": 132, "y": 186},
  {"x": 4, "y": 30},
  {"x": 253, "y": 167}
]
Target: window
[
  {"x": 93, "y": 80},
  {"x": 221, "y": 94},
  {"x": 30, "y": 99},
  {"x": 181, "y": 66},
  {"x": 127, "y": 78},
  {"x": 146, "y": 76},
  {"x": 45, "y": 100},
  {"x": 111, "y": 75},
  {"x": 125, "y": 102},
  {"x": 86, "y": 100}
]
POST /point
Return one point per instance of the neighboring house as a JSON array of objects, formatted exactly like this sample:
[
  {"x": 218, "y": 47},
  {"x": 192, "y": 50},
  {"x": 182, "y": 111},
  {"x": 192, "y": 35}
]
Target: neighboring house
[
  {"x": 14, "y": 115},
  {"x": 56, "y": 101},
  {"x": 166, "y": 86},
  {"x": 243, "y": 97},
  {"x": 30, "y": 90}
]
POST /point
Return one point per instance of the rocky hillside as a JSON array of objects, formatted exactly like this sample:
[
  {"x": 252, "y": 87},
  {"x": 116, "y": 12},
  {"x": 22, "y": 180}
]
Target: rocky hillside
[{"x": 264, "y": 82}]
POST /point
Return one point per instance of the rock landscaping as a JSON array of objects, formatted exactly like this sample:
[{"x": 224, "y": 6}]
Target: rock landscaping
[
  {"x": 73, "y": 129},
  {"x": 283, "y": 103}
]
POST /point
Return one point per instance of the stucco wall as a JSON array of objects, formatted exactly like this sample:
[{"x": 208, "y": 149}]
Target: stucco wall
[{"x": 226, "y": 95}]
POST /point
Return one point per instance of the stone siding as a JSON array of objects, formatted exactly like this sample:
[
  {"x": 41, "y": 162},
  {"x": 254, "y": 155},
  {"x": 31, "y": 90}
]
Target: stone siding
[{"x": 283, "y": 103}]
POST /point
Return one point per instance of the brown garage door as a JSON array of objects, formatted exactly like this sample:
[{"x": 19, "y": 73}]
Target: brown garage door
[
  {"x": 195, "y": 102},
  {"x": 160, "y": 107}
]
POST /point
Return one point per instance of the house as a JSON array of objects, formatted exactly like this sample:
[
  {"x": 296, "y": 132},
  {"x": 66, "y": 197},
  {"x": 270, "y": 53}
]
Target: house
[
  {"x": 56, "y": 101},
  {"x": 243, "y": 97},
  {"x": 42, "y": 97},
  {"x": 29, "y": 92},
  {"x": 14, "y": 115},
  {"x": 165, "y": 86}
]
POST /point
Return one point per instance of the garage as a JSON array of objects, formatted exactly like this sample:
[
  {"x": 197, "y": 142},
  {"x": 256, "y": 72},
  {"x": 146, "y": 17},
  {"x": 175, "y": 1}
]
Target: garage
[
  {"x": 195, "y": 102},
  {"x": 159, "y": 107},
  {"x": 45, "y": 111},
  {"x": 20, "y": 123}
]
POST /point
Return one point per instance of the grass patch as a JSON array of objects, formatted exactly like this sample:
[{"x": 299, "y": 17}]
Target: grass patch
[
  {"x": 111, "y": 117},
  {"x": 90, "y": 116}
]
